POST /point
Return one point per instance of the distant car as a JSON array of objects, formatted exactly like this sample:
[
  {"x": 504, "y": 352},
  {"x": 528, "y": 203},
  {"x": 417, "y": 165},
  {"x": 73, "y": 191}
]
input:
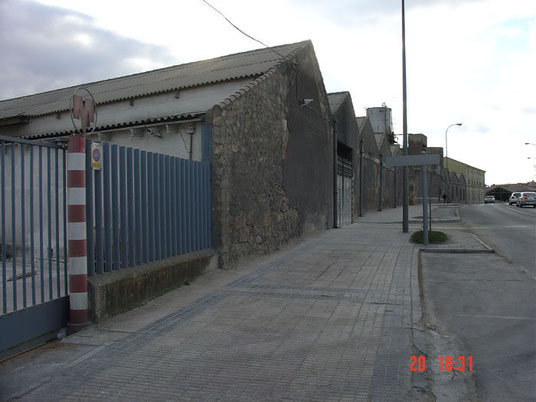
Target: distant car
[
  {"x": 527, "y": 198},
  {"x": 488, "y": 199},
  {"x": 513, "y": 198}
]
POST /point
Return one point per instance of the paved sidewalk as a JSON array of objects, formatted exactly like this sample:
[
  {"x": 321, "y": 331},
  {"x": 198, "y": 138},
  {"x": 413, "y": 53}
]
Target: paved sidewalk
[{"x": 329, "y": 318}]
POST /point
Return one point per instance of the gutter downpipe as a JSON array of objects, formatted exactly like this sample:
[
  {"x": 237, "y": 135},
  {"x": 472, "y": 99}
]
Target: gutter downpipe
[
  {"x": 361, "y": 146},
  {"x": 334, "y": 123},
  {"x": 381, "y": 184}
]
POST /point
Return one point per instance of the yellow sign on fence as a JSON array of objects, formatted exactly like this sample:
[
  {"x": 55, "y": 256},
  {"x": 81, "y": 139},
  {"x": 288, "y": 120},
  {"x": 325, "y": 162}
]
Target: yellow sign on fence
[{"x": 96, "y": 155}]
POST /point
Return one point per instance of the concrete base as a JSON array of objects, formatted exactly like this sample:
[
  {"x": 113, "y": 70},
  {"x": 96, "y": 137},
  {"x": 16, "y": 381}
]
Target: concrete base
[{"x": 116, "y": 292}]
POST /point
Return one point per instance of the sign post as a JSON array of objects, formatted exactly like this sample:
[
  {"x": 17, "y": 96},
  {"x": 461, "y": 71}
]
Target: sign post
[{"x": 423, "y": 160}]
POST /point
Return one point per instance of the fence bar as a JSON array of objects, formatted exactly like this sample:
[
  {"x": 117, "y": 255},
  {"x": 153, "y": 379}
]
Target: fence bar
[
  {"x": 199, "y": 205},
  {"x": 32, "y": 259},
  {"x": 144, "y": 231},
  {"x": 172, "y": 206},
  {"x": 65, "y": 234},
  {"x": 3, "y": 226},
  {"x": 57, "y": 224},
  {"x": 183, "y": 220},
  {"x": 130, "y": 212},
  {"x": 49, "y": 220},
  {"x": 189, "y": 202},
  {"x": 90, "y": 244},
  {"x": 163, "y": 251},
  {"x": 137, "y": 206},
  {"x": 97, "y": 174},
  {"x": 22, "y": 227},
  {"x": 107, "y": 206},
  {"x": 168, "y": 206},
  {"x": 205, "y": 204},
  {"x": 174, "y": 164},
  {"x": 13, "y": 233},
  {"x": 202, "y": 208},
  {"x": 195, "y": 208},
  {"x": 150, "y": 206},
  {"x": 123, "y": 207},
  {"x": 115, "y": 207},
  {"x": 41, "y": 234},
  {"x": 209, "y": 205},
  {"x": 157, "y": 195}
]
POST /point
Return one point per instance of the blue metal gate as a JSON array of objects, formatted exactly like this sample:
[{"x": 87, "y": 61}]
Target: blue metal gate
[
  {"x": 143, "y": 207},
  {"x": 33, "y": 253}
]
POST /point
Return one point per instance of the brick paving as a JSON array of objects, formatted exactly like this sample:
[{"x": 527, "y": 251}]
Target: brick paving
[{"x": 329, "y": 318}]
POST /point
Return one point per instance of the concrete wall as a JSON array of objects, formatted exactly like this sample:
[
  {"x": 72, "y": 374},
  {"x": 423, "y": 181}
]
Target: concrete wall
[{"x": 272, "y": 161}]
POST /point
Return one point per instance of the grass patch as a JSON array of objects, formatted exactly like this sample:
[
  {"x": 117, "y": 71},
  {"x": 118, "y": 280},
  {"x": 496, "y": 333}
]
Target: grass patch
[{"x": 434, "y": 237}]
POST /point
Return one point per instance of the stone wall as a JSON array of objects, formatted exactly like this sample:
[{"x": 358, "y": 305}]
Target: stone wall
[
  {"x": 271, "y": 162},
  {"x": 371, "y": 185}
]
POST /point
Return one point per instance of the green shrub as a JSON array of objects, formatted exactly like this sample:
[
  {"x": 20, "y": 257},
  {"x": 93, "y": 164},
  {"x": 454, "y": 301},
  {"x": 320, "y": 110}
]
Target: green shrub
[{"x": 434, "y": 237}]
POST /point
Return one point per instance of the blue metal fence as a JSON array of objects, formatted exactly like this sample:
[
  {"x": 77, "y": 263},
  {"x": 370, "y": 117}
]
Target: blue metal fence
[
  {"x": 33, "y": 224},
  {"x": 144, "y": 207}
]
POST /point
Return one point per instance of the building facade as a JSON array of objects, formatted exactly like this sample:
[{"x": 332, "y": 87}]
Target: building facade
[{"x": 474, "y": 179}]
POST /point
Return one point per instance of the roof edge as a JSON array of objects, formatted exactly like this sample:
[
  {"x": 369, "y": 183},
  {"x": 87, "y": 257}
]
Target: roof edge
[{"x": 246, "y": 88}]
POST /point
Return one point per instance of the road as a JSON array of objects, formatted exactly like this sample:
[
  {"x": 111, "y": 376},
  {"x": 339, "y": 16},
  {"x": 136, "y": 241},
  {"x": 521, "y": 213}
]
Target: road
[
  {"x": 485, "y": 303},
  {"x": 510, "y": 230}
]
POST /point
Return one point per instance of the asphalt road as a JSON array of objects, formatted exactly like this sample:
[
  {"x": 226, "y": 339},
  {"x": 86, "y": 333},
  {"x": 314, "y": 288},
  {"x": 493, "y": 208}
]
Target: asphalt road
[
  {"x": 511, "y": 231},
  {"x": 486, "y": 303}
]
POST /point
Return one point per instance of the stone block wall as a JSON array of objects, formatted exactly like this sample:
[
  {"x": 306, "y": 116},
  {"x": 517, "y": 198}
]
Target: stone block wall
[{"x": 271, "y": 163}]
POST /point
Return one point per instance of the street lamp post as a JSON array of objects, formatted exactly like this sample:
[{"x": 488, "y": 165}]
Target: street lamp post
[
  {"x": 447, "y": 157},
  {"x": 405, "y": 199}
]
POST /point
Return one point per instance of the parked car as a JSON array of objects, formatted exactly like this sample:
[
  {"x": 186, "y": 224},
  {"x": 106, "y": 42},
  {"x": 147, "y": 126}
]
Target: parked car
[
  {"x": 513, "y": 198},
  {"x": 488, "y": 199},
  {"x": 527, "y": 198}
]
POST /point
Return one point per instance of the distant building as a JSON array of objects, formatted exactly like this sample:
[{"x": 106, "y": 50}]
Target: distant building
[
  {"x": 502, "y": 192},
  {"x": 474, "y": 178}
]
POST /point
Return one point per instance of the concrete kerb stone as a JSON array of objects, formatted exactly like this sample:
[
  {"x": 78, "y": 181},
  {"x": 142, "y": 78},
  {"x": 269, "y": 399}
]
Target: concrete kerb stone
[{"x": 486, "y": 249}]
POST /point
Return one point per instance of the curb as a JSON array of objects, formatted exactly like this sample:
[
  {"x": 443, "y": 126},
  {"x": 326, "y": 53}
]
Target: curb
[
  {"x": 457, "y": 250},
  {"x": 415, "y": 221},
  {"x": 446, "y": 220},
  {"x": 487, "y": 249}
]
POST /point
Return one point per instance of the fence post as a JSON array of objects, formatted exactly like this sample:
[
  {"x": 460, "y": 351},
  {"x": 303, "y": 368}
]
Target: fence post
[{"x": 77, "y": 264}]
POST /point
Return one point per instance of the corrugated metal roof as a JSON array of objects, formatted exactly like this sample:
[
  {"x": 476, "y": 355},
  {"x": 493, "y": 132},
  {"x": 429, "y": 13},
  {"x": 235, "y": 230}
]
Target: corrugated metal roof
[
  {"x": 361, "y": 121},
  {"x": 231, "y": 67},
  {"x": 335, "y": 100}
]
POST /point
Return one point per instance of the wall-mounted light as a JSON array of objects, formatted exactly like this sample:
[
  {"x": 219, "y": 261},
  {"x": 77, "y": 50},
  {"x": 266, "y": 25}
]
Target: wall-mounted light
[{"x": 306, "y": 101}]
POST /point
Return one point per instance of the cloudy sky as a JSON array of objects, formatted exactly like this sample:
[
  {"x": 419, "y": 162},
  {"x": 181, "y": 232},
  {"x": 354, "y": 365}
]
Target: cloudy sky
[{"x": 469, "y": 61}]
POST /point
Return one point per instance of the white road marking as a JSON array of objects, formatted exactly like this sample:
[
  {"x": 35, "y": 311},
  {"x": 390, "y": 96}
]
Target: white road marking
[{"x": 506, "y": 317}]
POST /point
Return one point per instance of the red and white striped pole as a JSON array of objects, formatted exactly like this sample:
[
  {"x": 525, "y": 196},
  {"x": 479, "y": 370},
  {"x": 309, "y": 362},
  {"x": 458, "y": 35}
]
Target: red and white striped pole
[{"x": 77, "y": 264}]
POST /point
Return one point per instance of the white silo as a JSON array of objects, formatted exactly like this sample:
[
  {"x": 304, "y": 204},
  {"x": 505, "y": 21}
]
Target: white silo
[{"x": 380, "y": 119}]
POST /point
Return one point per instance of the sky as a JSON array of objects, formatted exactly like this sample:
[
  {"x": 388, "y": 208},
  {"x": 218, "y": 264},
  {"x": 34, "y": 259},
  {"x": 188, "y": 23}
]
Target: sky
[{"x": 468, "y": 61}]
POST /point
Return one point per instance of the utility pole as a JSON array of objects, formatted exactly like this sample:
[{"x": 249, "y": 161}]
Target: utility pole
[{"x": 405, "y": 207}]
